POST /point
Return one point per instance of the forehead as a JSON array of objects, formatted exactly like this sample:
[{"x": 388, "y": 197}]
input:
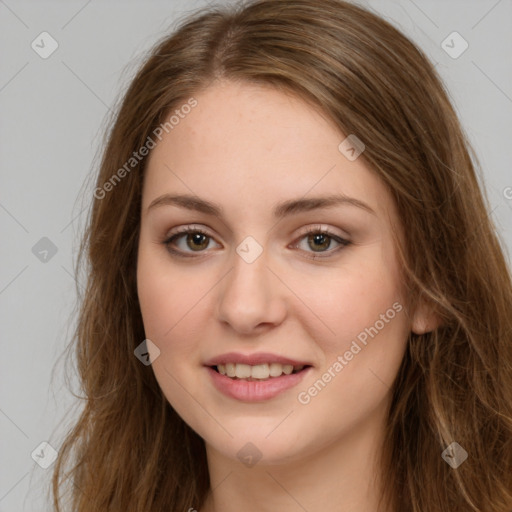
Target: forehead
[{"x": 254, "y": 146}]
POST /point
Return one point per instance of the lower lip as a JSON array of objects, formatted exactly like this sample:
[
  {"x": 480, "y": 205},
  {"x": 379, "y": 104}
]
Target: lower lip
[{"x": 254, "y": 391}]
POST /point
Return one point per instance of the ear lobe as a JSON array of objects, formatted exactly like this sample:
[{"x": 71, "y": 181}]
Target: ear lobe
[{"x": 424, "y": 319}]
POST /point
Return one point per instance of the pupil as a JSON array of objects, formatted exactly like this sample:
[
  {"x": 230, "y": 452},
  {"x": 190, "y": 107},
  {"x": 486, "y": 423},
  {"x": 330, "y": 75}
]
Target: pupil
[
  {"x": 318, "y": 238},
  {"x": 196, "y": 237}
]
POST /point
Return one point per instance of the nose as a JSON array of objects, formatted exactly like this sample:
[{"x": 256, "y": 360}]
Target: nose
[{"x": 251, "y": 296}]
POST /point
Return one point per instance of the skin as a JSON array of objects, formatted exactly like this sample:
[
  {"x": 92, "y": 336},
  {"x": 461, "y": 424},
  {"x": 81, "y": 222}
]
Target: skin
[{"x": 248, "y": 148}]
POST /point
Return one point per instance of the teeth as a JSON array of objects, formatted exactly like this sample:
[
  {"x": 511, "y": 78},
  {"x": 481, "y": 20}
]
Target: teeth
[
  {"x": 230, "y": 370},
  {"x": 259, "y": 371},
  {"x": 276, "y": 369},
  {"x": 287, "y": 369},
  {"x": 242, "y": 371}
]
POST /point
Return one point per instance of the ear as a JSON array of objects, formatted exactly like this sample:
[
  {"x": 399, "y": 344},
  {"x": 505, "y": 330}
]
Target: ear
[{"x": 424, "y": 319}]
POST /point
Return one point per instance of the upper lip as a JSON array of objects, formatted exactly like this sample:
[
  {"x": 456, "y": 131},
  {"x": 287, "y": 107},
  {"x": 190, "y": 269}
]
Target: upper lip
[{"x": 253, "y": 359}]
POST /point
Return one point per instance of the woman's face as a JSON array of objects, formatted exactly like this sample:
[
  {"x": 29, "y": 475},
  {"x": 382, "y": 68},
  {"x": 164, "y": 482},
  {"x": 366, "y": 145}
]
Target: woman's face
[{"x": 248, "y": 288}]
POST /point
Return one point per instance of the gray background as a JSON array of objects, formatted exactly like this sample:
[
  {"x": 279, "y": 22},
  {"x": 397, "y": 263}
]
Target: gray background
[{"x": 53, "y": 112}]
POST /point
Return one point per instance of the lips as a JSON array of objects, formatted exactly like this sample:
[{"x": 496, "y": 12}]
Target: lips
[
  {"x": 261, "y": 386},
  {"x": 255, "y": 391}
]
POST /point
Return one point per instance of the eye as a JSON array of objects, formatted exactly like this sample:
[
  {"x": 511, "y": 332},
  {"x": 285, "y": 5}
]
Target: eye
[
  {"x": 197, "y": 240},
  {"x": 320, "y": 239}
]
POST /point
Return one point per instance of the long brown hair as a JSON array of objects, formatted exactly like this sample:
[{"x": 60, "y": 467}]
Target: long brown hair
[{"x": 129, "y": 450}]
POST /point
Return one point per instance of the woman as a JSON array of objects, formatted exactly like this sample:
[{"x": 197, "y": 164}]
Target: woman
[{"x": 296, "y": 299}]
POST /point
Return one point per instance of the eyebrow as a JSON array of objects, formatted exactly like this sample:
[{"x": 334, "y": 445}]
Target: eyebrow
[{"x": 281, "y": 210}]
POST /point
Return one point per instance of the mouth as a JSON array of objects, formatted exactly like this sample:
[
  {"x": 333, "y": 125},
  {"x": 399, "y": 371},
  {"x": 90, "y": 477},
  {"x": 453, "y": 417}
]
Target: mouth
[
  {"x": 259, "y": 372},
  {"x": 255, "y": 383}
]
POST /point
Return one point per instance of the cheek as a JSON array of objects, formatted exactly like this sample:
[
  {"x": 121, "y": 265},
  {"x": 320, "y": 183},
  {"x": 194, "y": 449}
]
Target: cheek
[
  {"x": 166, "y": 307},
  {"x": 161, "y": 296},
  {"x": 358, "y": 371},
  {"x": 154, "y": 298},
  {"x": 363, "y": 308},
  {"x": 351, "y": 299},
  {"x": 173, "y": 305}
]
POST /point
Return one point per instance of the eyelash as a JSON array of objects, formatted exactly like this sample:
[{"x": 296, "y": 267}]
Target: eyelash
[{"x": 315, "y": 230}]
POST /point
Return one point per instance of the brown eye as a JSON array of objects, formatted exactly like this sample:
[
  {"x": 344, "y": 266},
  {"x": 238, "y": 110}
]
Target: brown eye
[
  {"x": 319, "y": 241},
  {"x": 195, "y": 239}
]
